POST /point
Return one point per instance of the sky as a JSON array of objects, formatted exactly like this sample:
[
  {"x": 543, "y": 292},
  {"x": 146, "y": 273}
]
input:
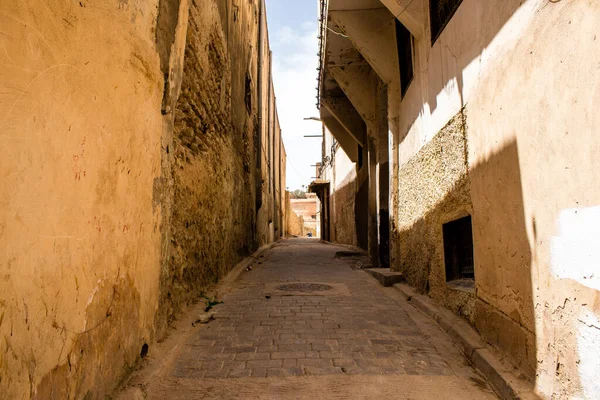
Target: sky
[{"x": 293, "y": 31}]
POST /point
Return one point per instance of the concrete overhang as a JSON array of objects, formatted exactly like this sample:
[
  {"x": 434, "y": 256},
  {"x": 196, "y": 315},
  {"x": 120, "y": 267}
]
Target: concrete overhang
[
  {"x": 319, "y": 187},
  {"x": 373, "y": 34},
  {"x": 361, "y": 33},
  {"x": 343, "y": 137},
  {"x": 342, "y": 110},
  {"x": 410, "y": 12},
  {"x": 356, "y": 81},
  {"x": 343, "y": 5},
  {"x": 340, "y": 51}
]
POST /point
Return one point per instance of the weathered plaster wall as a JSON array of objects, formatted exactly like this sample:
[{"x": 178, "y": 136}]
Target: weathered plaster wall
[
  {"x": 80, "y": 121},
  {"x": 531, "y": 96},
  {"x": 434, "y": 190},
  {"x": 213, "y": 207},
  {"x": 284, "y": 195},
  {"x": 551, "y": 142},
  {"x": 343, "y": 198},
  {"x": 340, "y": 172},
  {"x": 130, "y": 132},
  {"x": 265, "y": 98}
]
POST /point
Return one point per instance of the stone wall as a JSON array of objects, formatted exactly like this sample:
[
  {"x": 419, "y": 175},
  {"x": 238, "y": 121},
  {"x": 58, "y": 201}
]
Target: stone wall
[
  {"x": 133, "y": 177},
  {"x": 211, "y": 155},
  {"x": 294, "y": 222}
]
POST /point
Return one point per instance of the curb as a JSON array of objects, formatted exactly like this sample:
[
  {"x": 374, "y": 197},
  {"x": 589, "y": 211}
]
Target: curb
[{"x": 507, "y": 381}]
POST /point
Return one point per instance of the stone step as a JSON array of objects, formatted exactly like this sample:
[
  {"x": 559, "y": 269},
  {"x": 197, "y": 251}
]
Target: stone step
[{"x": 385, "y": 276}]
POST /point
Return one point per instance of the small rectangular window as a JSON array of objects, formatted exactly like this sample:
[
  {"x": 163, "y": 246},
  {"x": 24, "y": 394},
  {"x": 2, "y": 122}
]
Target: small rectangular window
[
  {"x": 440, "y": 13},
  {"x": 458, "y": 249},
  {"x": 404, "y": 41},
  {"x": 360, "y": 156}
]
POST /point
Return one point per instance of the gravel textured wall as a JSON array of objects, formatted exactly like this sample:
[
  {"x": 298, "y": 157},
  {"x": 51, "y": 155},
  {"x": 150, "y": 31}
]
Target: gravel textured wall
[{"x": 433, "y": 190}]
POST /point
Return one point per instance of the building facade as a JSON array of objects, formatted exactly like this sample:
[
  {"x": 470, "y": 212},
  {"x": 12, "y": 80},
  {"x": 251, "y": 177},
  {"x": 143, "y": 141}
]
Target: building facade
[
  {"x": 142, "y": 160},
  {"x": 469, "y": 139},
  {"x": 308, "y": 209}
]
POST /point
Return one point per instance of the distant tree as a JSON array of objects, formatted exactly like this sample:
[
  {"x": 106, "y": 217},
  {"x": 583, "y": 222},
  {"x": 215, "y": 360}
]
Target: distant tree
[{"x": 298, "y": 194}]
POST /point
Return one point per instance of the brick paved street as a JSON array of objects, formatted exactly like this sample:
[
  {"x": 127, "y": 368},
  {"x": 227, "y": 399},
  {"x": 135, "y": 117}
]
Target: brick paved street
[{"x": 353, "y": 340}]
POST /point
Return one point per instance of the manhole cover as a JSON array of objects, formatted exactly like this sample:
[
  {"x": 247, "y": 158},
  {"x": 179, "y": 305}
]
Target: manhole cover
[{"x": 305, "y": 287}]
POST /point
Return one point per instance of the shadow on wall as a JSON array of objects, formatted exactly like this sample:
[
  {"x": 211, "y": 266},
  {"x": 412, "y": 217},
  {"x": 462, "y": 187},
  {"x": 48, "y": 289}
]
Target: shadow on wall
[
  {"x": 211, "y": 153},
  {"x": 502, "y": 307},
  {"x": 469, "y": 33},
  {"x": 505, "y": 308}
]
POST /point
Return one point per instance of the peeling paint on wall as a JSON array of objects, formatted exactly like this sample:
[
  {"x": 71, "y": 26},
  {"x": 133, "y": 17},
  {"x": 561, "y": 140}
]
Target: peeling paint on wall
[
  {"x": 588, "y": 348},
  {"x": 575, "y": 251}
]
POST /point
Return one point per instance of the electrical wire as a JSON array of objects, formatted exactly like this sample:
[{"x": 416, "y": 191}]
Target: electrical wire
[
  {"x": 337, "y": 33},
  {"x": 291, "y": 164},
  {"x": 323, "y": 20}
]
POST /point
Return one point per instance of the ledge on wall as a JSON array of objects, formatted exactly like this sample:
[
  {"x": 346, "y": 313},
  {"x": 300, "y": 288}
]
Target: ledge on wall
[{"x": 462, "y": 285}]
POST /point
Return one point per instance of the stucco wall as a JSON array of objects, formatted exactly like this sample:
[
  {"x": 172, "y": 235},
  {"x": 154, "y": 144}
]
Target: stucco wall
[
  {"x": 343, "y": 198},
  {"x": 340, "y": 172},
  {"x": 306, "y": 208},
  {"x": 81, "y": 131},
  {"x": 528, "y": 74},
  {"x": 121, "y": 198}
]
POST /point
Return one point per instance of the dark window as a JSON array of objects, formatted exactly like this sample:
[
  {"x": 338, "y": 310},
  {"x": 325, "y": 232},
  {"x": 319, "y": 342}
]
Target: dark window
[
  {"x": 458, "y": 249},
  {"x": 404, "y": 42},
  {"x": 440, "y": 12},
  {"x": 360, "y": 156},
  {"x": 248, "y": 94}
]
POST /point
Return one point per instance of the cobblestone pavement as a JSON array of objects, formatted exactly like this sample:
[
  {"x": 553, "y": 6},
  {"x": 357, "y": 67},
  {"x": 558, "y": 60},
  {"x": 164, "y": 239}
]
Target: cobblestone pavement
[{"x": 334, "y": 335}]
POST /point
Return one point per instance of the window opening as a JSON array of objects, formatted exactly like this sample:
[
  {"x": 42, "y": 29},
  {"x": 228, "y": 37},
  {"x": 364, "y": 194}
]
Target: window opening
[
  {"x": 458, "y": 249},
  {"x": 360, "y": 156},
  {"x": 440, "y": 13},
  {"x": 404, "y": 42}
]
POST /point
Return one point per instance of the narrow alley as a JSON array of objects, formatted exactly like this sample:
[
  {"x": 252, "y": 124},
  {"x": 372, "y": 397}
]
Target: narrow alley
[
  {"x": 304, "y": 324},
  {"x": 299, "y": 199}
]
